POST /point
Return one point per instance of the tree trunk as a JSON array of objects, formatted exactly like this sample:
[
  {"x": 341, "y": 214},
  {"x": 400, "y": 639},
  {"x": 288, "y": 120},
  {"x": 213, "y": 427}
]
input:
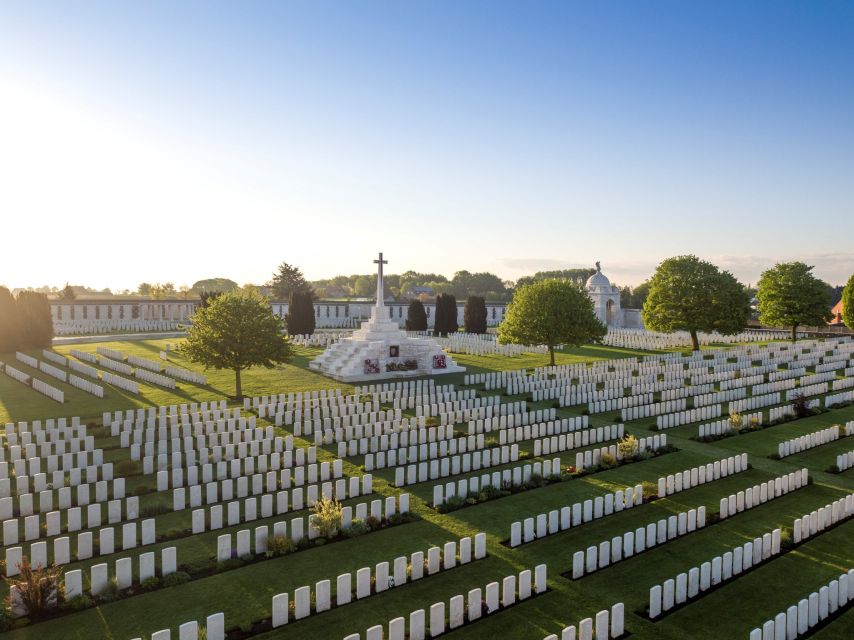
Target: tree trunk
[
  {"x": 694, "y": 341},
  {"x": 238, "y": 388},
  {"x": 551, "y": 356},
  {"x": 794, "y": 333}
]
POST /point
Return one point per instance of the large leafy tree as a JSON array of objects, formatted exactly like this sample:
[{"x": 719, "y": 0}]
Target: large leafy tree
[
  {"x": 848, "y": 304},
  {"x": 289, "y": 279},
  {"x": 790, "y": 295},
  {"x": 689, "y": 294},
  {"x": 213, "y": 284},
  {"x": 445, "y": 321},
  {"x": 36, "y": 323},
  {"x": 10, "y": 325},
  {"x": 474, "y": 315},
  {"x": 416, "y": 316},
  {"x": 236, "y": 331},
  {"x": 551, "y": 312}
]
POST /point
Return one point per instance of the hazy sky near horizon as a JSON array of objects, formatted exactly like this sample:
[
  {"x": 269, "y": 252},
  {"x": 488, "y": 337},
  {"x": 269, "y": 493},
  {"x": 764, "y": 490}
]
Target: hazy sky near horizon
[{"x": 164, "y": 141}]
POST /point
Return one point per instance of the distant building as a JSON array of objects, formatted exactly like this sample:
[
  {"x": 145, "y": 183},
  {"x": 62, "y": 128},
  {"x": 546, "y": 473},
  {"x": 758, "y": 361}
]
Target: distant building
[
  {"x": 419, "y": 292},
  {"x": 606, "y": 303},
  {"x": 837, "y": 314}
]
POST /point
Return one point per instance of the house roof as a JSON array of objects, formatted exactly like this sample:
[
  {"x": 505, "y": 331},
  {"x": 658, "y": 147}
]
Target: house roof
[{"x": 837, "y": 313}]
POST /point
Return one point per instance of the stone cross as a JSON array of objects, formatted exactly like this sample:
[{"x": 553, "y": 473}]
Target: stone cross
[{"x": 380, "y": 297}]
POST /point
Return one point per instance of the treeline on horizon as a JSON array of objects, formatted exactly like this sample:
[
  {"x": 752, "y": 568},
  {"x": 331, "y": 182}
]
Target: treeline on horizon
[{"x": 407, "y": 285}]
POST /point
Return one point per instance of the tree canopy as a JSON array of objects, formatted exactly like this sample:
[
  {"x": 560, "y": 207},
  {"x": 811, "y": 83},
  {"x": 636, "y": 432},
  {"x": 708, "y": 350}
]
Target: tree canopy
[
  {"x": 300, "y": 319},
  {"x": 445, "y": 321},
  {"x": 689, "y": 294},
  {"x": 10, "y": 325},
  {"x": 634, "y": 297},
  {"x": 848, "y": 304},
  {"x": 416, "y": 316},
  {"x": 210, "y": 285},
  {"x": 35, "y": 321},
  {"x": 789, "y": 295},
  {"x": 551, "y": 313},
  {"x": 236, "y": 331},
  {"x": 578, "y": 276},
  {"x": 288, "y": 279},
  {"x": 474, "y": 315}
]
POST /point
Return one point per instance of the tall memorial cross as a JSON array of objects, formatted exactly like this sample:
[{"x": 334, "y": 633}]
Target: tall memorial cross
[{"x": 380, "y": 297}]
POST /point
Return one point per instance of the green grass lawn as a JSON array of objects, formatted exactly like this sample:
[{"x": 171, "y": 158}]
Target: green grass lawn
[{"x": 244, "y": 594}]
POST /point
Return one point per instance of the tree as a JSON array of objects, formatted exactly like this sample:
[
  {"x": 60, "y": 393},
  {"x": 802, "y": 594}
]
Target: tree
[
  {"x": 364, "y": 286},
  {"x": 477, "y": 284},
  {"x": 144, "y": 289},
  {"x": 10, "y": 324},
  {"x": 689, "y": 294},
  {"x": 36, "y": 323},
  {"x": 206, "y": 297},
  {"x": 790, "y": 295},
  {"x": 637, "y": 296},
  {"x": 847, "y": 304},
  {"x": 67, "y": 294},
  {"x": 551, "y": 312},
  {"x": 474, "y": 315},
  {"x": 445, "y": 321},
  {"x": 416, "y": 316},
  {"x": 236, "y": 331},
  {"x": 213, "y": 284},
  {"x": 300, "y": 319},
  {"x": 288, "y": 279},
  {"x": 575, "y": 275},
  {"x": 164, "y": 290}
]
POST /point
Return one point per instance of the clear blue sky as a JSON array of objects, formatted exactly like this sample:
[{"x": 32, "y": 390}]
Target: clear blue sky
[{"x": 176, "y": 141}]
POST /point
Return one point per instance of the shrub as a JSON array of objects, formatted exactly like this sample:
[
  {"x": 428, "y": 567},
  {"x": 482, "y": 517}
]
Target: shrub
[
  {"x": 650, "y": 490},
  {"x": 535, "y": 481},
  {"x": 327, "y": 517},
  {"x": 37, "y": 588},
  {"x": 786, "y": 539},
  {"x": 373, "y": 523},
  {"x": 231, "y": 563},
  {"x": 800, "y": 406},
  {"x": 176, "y": 578},
  {"x": 280, "y": 546},
  {"x": 451, "y": 504},
  {"x": 149, "y": 584},
  {"x": 357, "y": 528},
  {"x": 628, "y": 446},
  {"x": 110, "y": 592},
  {"x": 607, "y": 461},
  {"x": 736, "y": 421},
  {"x": 490, "y": 493},
  {"x": 77, "y": 603}
]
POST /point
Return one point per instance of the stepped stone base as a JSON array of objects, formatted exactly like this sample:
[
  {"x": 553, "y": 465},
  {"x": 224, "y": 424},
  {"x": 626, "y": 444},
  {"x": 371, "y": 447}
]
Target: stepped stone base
[{"x": 379, "y": 344}]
